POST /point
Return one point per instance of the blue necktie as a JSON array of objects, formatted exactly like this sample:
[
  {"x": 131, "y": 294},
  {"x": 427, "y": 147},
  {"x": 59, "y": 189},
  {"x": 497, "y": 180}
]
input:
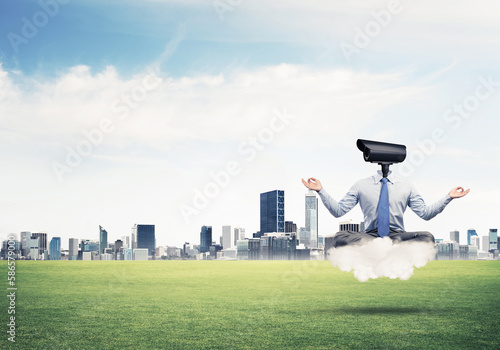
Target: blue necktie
[{"x": 383, "y": 210}]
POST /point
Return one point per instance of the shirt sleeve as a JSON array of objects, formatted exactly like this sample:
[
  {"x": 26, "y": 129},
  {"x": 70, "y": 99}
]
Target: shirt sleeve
[
  {"x": 426, "y": 212},
  {"x": 338, "y": 209}
]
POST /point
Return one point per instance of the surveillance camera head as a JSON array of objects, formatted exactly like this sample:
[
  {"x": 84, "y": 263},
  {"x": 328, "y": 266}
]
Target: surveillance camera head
[{"x": 382, "y": 153}]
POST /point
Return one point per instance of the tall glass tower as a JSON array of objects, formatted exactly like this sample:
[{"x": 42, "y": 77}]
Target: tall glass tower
[
  {"x": 312, "y": 218},
  {"x": 493, "y": 235},
  {"x": 470, "y": 232},
  {"x": 205, "y": 238},
  {"x": 103, "y": 239},
  {"x": 272, "y": 211},
  {"x": 146, "y": 238},
  {"x": 55, "y": 248}
]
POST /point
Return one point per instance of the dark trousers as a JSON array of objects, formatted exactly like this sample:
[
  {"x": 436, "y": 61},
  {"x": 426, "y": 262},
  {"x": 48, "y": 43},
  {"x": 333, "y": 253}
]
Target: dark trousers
[{"x": 344, "y": 238}]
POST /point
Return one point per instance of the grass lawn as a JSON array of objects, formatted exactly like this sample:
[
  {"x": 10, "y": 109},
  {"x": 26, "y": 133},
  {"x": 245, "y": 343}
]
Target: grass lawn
[{"x": 250, "y": 305}]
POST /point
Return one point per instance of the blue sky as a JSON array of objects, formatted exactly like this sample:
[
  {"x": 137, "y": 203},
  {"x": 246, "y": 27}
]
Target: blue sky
[{"x": 203, "y": 85}]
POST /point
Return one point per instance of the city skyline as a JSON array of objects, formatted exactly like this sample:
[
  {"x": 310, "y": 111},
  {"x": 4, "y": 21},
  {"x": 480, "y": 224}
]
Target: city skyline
[
  {"x": 183, "y": 119},
  {"x": 346, "y": 220},
  {"x": 286, "y": 245}
]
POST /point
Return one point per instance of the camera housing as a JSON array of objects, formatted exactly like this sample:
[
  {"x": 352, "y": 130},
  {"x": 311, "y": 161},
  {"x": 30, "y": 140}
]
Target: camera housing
[{"x": 382, "y": 153}]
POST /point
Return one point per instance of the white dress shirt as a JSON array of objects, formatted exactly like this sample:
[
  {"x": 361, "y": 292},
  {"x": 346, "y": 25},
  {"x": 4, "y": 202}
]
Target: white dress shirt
[{"x": 366, "y": 192}]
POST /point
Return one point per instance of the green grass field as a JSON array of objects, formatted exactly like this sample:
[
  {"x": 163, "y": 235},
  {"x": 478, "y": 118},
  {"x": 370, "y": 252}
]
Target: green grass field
[{"x": 251, "y": 305}]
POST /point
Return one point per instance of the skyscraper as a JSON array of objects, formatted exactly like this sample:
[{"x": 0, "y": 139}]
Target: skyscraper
[
  {"x": 103, "y": 239},
  {"x": 272, "y": 211},
  {"x": 42, "y": 241},
  {"x": 493, "y": 238},
  {"x": 146, "y": 238},
  {"x": 73, "y": 249},
  {"x": 126, "y": 241},
  {"x": 133, "y": 238},
  {"x": 475, "y": 241},
  {"x": 485, "y": 243},
  {"x": 205, "y": 238},
  {"x": 34, "y": 248},
  {"x": 290, "y": 227},
  {"x": 55, "y": 248},
  {"x": 312, "y": 218},
  {"x": 25, "y": 236},
  {"x": 118, "y": 246},
  {"x": 227, "y": 237},
  {"x": 455, "y": 236},
  {"x": 304, "y": 237},
  {"x": 239, "y": 233},
  {"x": 470, "y": 232}
]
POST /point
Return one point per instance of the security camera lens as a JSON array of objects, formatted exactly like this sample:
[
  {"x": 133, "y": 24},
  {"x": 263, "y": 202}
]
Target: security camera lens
[{"x": 366, "y": 153}]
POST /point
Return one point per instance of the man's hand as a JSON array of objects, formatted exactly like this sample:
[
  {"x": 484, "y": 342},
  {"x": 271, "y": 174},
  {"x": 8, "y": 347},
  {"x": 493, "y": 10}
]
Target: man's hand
[
  {"x": 458, "y": 192},
  {"x": 312, "y": 184}
]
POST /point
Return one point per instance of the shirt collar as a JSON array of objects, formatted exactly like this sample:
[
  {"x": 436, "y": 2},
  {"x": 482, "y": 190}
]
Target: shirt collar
[{"x": 391, "y": 177}]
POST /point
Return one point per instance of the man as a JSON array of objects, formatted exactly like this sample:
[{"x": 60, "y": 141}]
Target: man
[{"x": 367, "y": 193}]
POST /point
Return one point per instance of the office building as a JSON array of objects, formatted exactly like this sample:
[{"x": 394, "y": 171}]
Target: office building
[
  {"x": 455, "y": 236},
  {"x": 103, "y": 239},
  {"x": 471, "y": 233},
  {"x": 284, "y": 248},
  {"x": 160, "y": 251},
  {"x": 302, "y": 253},
  {"x": 146, "y": 238},
  {"x": 304, "y": 237},
  {"x": 42, "y": 241},
  {"x": 290, "y": 227},
  {"x": 321, "y": 241},
  {"x": 272, "y": 212},
  {"x": 485, "y": 243},
  {"x": 493, "y": 239},
  {"x": 447, "y": 251},
  {"x": 227, "y": 237},
  {"x": 141, "y": 253},
  {"x": 73, "y": 249},
  {"x": 475, "y": 241},
  {"x": 87, "y": 256},
  {"x": 311, "y": 212},
  {"x": 467, "y": 252},
  {"x": 128, "y": 254},
  {"x": 33, "y": 249},
  {"x": 253, "y": 249},
  {"x": 118, "y": 246},
  {"x": 55, "y": 248},
  {"x": 265, "y": 247},
  {"x": 25, "y": 236},
  {"x": 242, "y": 249},
  {"x": 133, "y": 238},
  {"x": 87, "y": 245},
  {"x": 239, "y": 234},
  {"x": 186, "y": 250},
  {"x": 173, "y": 251},
  {"x": 126, "y": 241},
  {"x": 214, "y": 250},
  {"x": 205, "y": 238}
]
